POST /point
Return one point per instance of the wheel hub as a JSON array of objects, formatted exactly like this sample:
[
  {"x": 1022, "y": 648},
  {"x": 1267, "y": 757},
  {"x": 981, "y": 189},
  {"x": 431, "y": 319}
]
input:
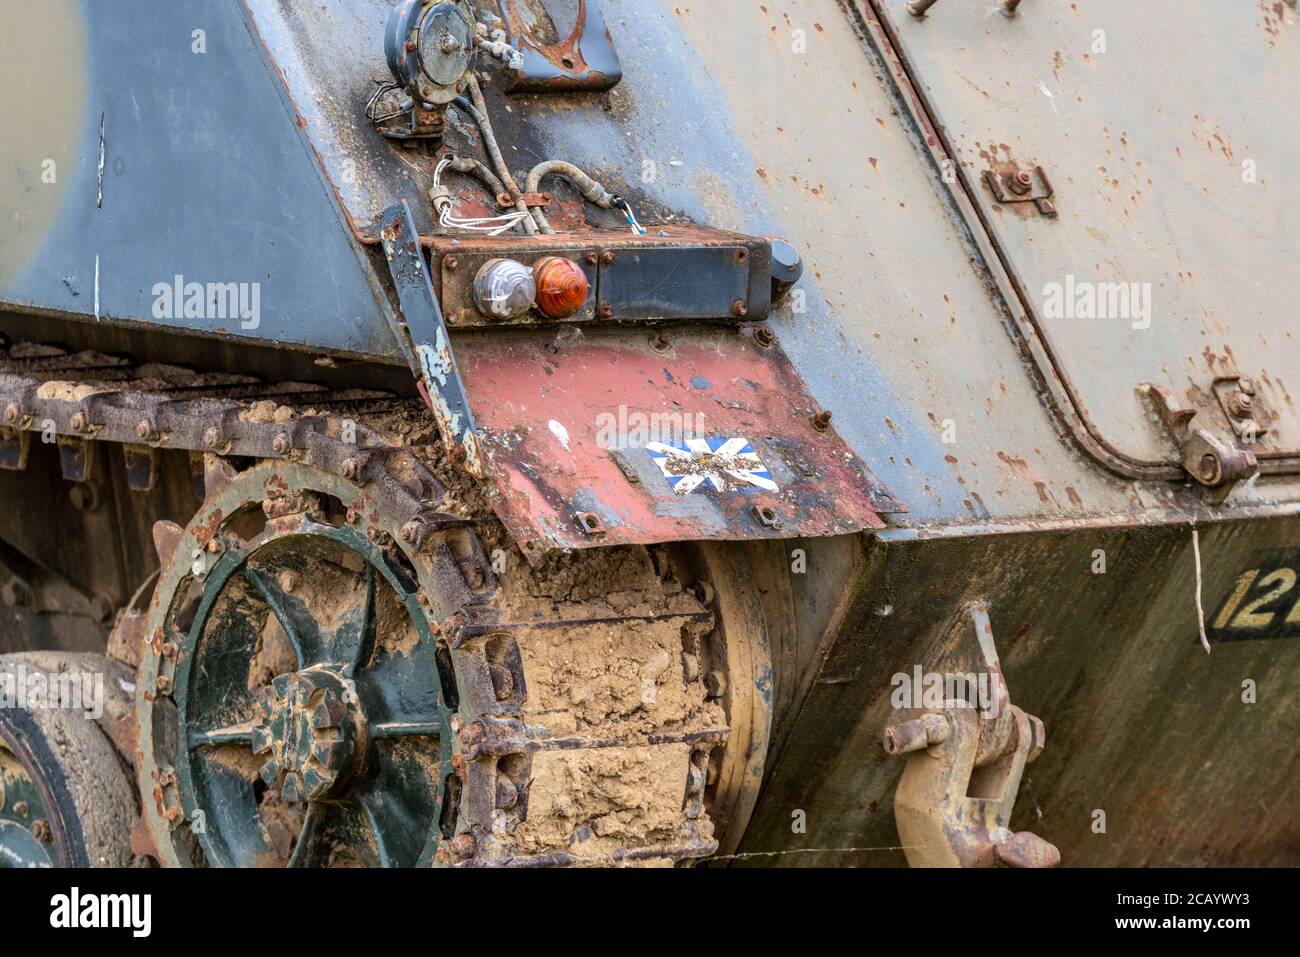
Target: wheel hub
[{"x": 310, "y": 727}]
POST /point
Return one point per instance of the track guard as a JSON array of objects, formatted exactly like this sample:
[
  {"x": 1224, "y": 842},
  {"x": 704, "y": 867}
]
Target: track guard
[{"x": 634, "y": 436}]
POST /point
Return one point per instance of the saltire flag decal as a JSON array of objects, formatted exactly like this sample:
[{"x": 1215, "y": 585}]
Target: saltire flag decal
[{"x": 719, "y": 465}]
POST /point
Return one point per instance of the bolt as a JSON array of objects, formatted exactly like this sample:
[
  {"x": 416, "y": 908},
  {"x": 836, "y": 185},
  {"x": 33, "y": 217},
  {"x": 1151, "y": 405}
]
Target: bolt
[
  {"x": 170, "y": 649},
  {"x": 83, "y": 497},
  {"x": 11, "y": 413},
  {"x": 13, "y": 594},
  {"x": 212, "y": 437},
  {"x": 143, "y": 430},
  {"x": 606, "y": 310},
  {"x": 917, "y": 8},
  {"x": 348, "y": 469},
  {"x": 715, "y": 684},
  {"x": 1241, "y": 404},
  {"x": 1209, "y": 467},
  {"x": 451, "y": 263},
  {"x": 41, "y": 830},
  {"x": 281, "y": 444},
  {"x": 763, "y": 337},
  {"x": 742, "y": 255},
  {"x": 660, "y": 343},
  {"x": 411, "y": 532},
  {"x": 607, "y": 257},
  {"x": 78, "y": 421},
  {"x": 20, "y": 808},
  {"x": 930, "y": 728},
  {"x": 739, "y": 308},
  {"x": 163, "y": 684},
  {"x": 1037, "y": 738},
  {"x": 822, "y": 420},
  {"x": 592, "y": 258},
  {"x": 214, "y": 546},
  {"x": 1009, "y": 7},
  {"x": 1019, "y": 182}
]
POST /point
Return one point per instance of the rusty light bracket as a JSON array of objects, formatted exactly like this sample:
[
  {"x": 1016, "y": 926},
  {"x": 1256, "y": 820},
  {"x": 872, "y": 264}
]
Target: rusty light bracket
[
  {"x": 954, "y": 802},
  {"x": 423, "y": 337},
  {"x": 1022, "y": 186}
]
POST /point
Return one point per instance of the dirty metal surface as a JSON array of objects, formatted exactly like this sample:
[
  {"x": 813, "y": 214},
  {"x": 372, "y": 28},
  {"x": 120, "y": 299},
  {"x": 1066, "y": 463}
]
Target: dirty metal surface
[
  {"x": 1141, "y": 722},
  {"x": 565, "y": 43},
  {"x": 580, "y": 429},
  {"x": 1169, "y": 187}
]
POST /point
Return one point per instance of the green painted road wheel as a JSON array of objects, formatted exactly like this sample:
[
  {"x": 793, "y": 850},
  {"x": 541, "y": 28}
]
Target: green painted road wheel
[{"x": 294, "y": 708}]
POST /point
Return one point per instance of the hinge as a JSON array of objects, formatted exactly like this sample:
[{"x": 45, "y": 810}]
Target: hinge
[{"x": 1207, "y": 455}]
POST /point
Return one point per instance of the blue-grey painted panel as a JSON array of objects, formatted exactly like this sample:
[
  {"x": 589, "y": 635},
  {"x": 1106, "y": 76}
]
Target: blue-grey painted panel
[{"x": 207, "y": 177}]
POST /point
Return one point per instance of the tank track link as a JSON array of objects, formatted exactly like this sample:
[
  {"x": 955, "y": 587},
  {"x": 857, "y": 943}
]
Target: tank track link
[{"x": 585, "y": 725}]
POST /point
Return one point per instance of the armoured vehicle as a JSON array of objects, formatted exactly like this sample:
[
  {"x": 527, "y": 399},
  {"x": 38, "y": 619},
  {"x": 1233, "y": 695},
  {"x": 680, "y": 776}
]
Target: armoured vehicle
[{"x": 417, "y": 424}]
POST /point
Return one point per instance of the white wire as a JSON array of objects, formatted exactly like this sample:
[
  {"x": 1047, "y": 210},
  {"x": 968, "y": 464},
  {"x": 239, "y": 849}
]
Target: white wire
[
  {"x": 492, "y": 225},
  {"x": 631, "y": 218}
]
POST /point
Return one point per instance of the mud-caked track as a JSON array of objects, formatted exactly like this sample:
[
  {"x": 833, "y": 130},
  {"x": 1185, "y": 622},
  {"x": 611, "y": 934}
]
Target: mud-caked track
[{"x": 346, "y": 661}]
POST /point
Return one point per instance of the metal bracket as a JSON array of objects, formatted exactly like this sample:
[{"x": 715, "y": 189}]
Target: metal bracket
[
  {"x": 1022, "y": 186},
  {"x": 584, "y": 60},
  {"x": 1242, "y": 407},
  {"x": 963, "y": 773},
  {"x": 918, "y": 8},
  {"x": 423, "y": 337},
  {"x": 1207, "y": 457}
]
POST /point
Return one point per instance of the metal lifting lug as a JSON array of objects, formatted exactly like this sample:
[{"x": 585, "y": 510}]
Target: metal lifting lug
[{"x": 964, "y": 764}]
